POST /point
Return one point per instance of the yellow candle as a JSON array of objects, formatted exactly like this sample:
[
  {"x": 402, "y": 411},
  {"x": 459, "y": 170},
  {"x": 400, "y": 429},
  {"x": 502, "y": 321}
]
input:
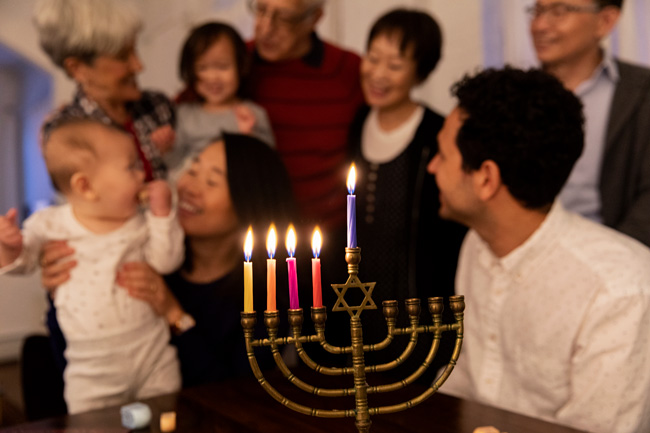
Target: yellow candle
[
  {"x": 248, "y": 272},
  {"x": 271, "y": 245}
]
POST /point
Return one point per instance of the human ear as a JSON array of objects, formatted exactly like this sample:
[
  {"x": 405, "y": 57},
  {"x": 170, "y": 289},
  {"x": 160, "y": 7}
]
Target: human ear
[
  {"x": 75, "y": 68},
  {"x": 81, "y": 186},
  {"x": 315, "y": 18},
  {"x": 607, "y": 19},
  {"x": 487, "y": 180}
]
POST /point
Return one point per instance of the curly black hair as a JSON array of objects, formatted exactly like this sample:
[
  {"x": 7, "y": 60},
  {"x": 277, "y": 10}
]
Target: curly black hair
[{"x": 527, "y": 123}]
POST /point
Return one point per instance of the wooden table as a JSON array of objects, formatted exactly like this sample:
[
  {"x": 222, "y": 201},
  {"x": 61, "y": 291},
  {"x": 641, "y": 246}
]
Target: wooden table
[{"x": 242, "y": 406}]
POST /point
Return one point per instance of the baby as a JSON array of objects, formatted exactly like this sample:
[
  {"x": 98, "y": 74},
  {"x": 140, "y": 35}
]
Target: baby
[{"x": 117, "y": 347}]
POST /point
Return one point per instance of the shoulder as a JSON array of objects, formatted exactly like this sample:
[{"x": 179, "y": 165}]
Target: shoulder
[
  {"x": 340, "y": 51},
  {"x": 630, "y": 69},
  {"x": 187, "y": 109},
  {"x": 615, "y": 261},
  {"x": 345, "y": 60},
  {"x": 154, "y": 97},
  {"x": 432, "y": 119},
  {"x": 256, "y": 108},
  {"x": 427, "y": 131},
  {"x": 632, "y": 75},
  {"x": 49, "y": 220}
]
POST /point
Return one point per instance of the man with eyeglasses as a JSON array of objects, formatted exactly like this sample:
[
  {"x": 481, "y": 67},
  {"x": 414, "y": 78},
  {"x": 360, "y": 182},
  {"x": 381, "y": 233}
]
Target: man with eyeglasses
[
  {"x": 311, "y": 91},
  {"x": 611, "y": 181}
]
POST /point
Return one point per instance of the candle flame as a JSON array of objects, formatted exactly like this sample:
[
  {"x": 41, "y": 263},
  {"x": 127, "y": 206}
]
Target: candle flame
[
  {"x": 271, "y": 242},
  {"x": 316, "y": 242},
  {"x": 352, "y": 179},
  {"x": 291, "y": 241},
  {"x": 248, "y": 245}
]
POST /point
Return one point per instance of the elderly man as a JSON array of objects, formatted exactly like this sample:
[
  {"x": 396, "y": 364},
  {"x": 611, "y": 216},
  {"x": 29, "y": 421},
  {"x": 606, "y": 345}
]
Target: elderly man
[
  {"x": 311, "y": 91},
  {"x": 558, "y": 316},
  {"x": 611, "y": 181}
]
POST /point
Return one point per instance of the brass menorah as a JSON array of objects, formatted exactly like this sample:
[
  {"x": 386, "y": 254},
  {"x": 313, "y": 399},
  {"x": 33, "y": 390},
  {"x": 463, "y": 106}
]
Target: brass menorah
[{"x": 361, "y": 411}]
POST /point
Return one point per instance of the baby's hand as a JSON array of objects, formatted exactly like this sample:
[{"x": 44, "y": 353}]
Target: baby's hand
[
  {"x": 11, "y": 240},
  {"x": 163, "y": 138},
  {"x": 160, "y": 197},
  {"x": 245, "y": 118}
]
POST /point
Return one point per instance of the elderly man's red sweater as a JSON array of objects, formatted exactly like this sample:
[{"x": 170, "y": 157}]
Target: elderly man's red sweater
[{"x": 311, "y": 103}]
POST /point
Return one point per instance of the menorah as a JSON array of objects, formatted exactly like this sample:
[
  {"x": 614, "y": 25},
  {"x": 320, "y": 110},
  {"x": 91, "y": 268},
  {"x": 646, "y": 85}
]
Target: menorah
[{"x": 361, "y": 411}]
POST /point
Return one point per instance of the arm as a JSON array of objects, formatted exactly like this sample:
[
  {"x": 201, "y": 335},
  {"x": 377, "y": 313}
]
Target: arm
[
  {"x": 262, "y": 127},
  {"x": 163, "y": 138},
  {"x": 144, "y": 283},
  {"x": 200, "y": 348},
  {"x": 635, "y": 221},
  {"x": 11, "y": 240},
  {"x": 20, "y": 251},
  {"x": 164, "y": 250},
  {"x": 610, "y": 378}
]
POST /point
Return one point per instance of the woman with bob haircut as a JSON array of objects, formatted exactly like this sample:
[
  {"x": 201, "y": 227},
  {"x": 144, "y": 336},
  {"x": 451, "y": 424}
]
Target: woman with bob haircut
[{"x": 408, "y": 249}]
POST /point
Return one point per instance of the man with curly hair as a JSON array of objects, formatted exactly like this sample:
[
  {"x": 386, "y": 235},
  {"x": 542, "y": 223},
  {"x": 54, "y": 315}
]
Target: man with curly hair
[{"x": 558, "y": 307}]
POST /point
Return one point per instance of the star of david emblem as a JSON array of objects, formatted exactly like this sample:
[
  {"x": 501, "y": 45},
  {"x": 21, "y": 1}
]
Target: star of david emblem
[{"x": 341, "y": 290}]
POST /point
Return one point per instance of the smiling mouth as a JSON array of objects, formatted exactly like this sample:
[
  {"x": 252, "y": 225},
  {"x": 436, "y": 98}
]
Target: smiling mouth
[{"x": 187, "y": 207}]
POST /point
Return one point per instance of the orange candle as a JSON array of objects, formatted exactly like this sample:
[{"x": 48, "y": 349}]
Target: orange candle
[
  {"x": 271, "y": 245},
  {"x": 316, "y": 242}
]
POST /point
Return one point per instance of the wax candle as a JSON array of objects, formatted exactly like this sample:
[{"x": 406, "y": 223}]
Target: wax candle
[
  {"x": 316, "y": 242},
  {"x": 352, "y": 208},
  {"x": 291, "y": 266},
  {"x": 271, "y": 244},
  {"x": 248, "y": 272}
]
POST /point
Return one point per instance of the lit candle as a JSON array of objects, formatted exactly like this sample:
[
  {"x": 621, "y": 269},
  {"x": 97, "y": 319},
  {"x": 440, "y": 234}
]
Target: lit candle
[
  {"x": 248, "y": 272},
  {"x": 316, "y": 242},
  {"x": 291, "y": 266},
  {"x": 352, "y": 208},
  {"x": 271, "y": 244}
]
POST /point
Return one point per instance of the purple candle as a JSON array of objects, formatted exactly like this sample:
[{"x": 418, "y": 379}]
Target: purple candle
[
  {"x": 291, "y": 266},
  {"x": 352, "y": 208}
]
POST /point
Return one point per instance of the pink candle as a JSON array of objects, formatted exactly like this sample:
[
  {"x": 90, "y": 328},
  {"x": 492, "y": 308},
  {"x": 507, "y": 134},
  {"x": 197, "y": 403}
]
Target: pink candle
[
  {"x": 291, "y": 266},
  {"x": 315, "y": 268},
  {"x": 271, "y": 244}
]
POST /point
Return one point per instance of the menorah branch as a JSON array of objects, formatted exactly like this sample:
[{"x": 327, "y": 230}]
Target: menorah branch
[{"x": 362, "y": 411}]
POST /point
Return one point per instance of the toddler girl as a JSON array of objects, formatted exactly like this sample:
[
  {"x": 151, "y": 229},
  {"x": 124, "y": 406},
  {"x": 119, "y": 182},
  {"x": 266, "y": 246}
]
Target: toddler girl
[{"x": 213, "y": 65}]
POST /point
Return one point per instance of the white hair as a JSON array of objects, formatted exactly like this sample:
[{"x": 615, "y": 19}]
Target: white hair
[{"x": 84, "y": 28}]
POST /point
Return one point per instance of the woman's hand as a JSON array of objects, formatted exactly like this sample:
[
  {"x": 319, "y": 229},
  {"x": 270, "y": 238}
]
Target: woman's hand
[
  {"x": 163, "y": 138},
  {"x": 142, "y": 282},
  {"x": 55, "y": 266}
]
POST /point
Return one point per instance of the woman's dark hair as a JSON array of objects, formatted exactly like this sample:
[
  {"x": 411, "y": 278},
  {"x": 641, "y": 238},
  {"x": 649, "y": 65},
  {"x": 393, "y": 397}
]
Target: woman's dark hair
[
  {"x": 197, "y": 43},
  {"x": 416, "y": 29},
  {"x": 258, "y": 182},
  {"x": 527, "y": 123},
  {"x": 259, "y": 188}
]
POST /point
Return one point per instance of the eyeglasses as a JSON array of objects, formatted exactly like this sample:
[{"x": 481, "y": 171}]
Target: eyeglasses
[
  {"x": 558, "y": 11},
  {"x": 281, "y": 17}
]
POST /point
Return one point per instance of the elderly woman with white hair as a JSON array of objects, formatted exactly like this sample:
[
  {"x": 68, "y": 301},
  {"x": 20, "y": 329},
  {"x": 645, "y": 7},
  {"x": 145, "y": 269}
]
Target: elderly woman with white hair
[{"x": 93, "y": 41}]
